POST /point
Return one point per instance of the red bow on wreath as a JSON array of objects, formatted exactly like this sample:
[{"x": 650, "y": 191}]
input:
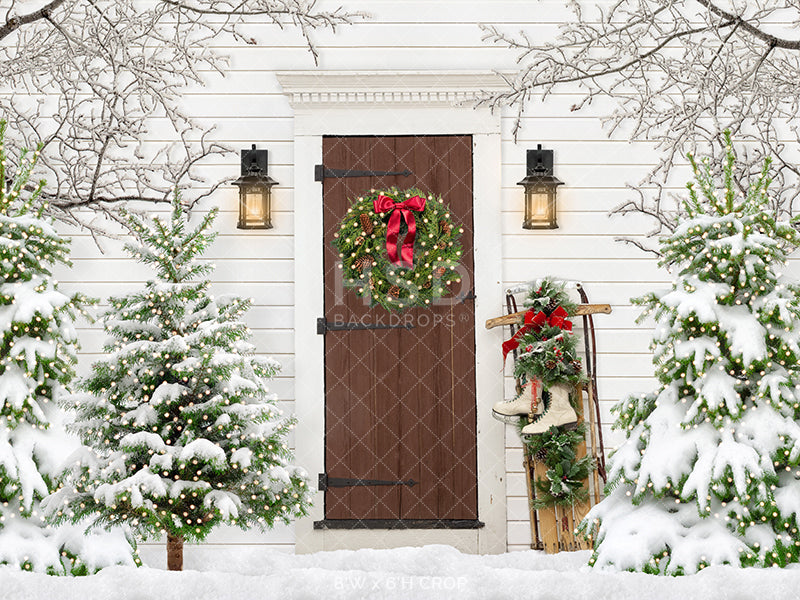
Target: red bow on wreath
[
  {"x": 534, "y": 323},
  {"x": 400, "y": 211}
]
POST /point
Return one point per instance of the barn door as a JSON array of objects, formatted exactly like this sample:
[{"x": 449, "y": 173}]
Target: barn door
[{"x": 400, "y": 421}]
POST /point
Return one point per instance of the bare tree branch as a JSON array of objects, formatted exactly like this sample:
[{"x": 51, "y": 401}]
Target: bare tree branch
[
  {"x": 753, "y": 30},
  {"x": 638, "y": 244},
  {"x": 15, "y": 22},
  {"x": 100, "y": 84},
  {"x": 679, "y": 73},
  {"x": 299, "y": 13}
]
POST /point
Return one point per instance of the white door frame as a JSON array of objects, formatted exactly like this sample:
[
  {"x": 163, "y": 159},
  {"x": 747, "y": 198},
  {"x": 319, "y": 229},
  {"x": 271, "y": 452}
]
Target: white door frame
[{"x": 396, "y": 103}]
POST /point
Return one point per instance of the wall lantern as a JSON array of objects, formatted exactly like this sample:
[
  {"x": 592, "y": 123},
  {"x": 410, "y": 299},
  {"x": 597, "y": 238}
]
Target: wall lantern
[
  {"x": 540, "y": 191},
  {"x": 255, "y": 191}
]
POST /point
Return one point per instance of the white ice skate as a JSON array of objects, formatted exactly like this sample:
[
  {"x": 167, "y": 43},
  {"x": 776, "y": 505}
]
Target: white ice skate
[
  {"x": 559, "y": 412},
  {"x": 529, "y": 403}
]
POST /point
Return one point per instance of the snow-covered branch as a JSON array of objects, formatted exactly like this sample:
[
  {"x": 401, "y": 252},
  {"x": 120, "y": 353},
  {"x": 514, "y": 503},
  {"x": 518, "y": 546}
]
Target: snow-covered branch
[
  {"x": 16, "y": 21},
  {"x": 679, "y": 73},
  {"x": 99, "y": 85}
]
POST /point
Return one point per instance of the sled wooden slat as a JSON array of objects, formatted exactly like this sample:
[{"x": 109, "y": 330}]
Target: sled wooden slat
[
  {"x": 517, "y": 317},
  {"x": 553, "y": 528},
  {"x": 546, "y": 517},
  {"x": 579, "y": 509},
  {"x": 565, "y": 527}
]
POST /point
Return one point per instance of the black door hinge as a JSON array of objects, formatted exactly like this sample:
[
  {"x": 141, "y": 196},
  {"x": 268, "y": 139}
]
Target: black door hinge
[
  {"x": 468, "y": 296},
  {"x": 321, "y": 172},
  {"x": 326, "y": 482},
  {"x": 324, "y": 326}
]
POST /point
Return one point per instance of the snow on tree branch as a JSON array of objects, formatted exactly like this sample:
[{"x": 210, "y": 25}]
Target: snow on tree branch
[
  {"x": 100, "y": 84},
  {"x": 16, "y": 21},
  {"x": 299, "y": 13},
  {"x": 679, "y": 72}
]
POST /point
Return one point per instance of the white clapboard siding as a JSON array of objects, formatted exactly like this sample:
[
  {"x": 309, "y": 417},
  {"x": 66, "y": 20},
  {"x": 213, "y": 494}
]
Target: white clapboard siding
[
  {"x": 279, "y": 341},
  {"x": 248, "y": 105}
]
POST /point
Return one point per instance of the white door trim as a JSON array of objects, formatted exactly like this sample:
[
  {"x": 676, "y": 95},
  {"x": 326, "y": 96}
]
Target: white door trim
[{"x": 396, "y": 103}]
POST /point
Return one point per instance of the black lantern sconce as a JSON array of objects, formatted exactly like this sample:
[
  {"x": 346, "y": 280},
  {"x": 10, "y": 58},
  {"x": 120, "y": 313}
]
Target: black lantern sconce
[
  {"x": 540, "y": 191},
  {"x": 255, "y": 191}
]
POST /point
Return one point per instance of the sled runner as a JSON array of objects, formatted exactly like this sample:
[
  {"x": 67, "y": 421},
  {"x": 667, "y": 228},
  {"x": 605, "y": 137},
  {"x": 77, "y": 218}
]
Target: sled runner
[{"x": 553, "y": 526}]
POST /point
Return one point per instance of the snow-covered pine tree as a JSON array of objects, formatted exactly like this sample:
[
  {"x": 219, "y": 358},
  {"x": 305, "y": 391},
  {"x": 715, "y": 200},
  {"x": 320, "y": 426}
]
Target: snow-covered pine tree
[
  {"x": 184, "y": 432},
  {"x": 708, "y": 473},
  {"x": 37, "y": 359}
]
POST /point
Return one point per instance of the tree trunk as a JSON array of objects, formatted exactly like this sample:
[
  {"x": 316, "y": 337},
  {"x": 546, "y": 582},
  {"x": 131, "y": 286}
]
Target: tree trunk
[{"x": 174, "y": 552}]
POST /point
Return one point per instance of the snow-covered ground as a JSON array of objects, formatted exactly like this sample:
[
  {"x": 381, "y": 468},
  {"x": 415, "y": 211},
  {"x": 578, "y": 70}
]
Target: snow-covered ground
[{"x": 429, "y": 573}]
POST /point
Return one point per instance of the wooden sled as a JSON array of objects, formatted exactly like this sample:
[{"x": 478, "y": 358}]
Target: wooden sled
[{"x": 553, "y": 527}]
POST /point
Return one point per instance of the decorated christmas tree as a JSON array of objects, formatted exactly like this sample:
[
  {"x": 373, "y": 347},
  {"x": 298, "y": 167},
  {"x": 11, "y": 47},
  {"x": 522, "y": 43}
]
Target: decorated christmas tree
[
  {"x": 708, "y": 473},
  {"x": 37, "y": 358},
  {"x": 184, "y": 432}
]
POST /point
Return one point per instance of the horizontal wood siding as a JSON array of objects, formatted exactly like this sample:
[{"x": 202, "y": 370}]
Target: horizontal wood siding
[{"x": 248, "y": 106}]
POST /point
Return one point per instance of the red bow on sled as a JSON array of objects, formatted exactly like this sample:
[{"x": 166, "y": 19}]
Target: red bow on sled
[
  {"x": 534, "y": 323},
  {"x": 400, "y": 211}
]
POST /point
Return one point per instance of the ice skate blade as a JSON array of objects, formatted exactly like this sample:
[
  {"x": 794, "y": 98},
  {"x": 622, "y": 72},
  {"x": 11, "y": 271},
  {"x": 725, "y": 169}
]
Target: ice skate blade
[
  {"x": 569, "y": 426},
  {"x": 513, "y": 419}
]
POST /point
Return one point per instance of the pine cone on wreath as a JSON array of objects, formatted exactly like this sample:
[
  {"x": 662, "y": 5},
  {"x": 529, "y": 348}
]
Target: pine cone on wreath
[
  {"x": 426, "y": 285},
  {"x": 445, "y": 226},
  {"x": 442, "y": 245},
  {"x": 540, "y": 454},
  {"x": 362, "y": 263},
  {"x": 366, "y": 223},
  {"x": 551, "y": 306},
  {"x": 359, "y": 240},
  {"x": 576, "y": 365},
  {"x": 394, "y": 292},
  {"x": 438, "y": 272},
  {"x": 550, "y": 364}
]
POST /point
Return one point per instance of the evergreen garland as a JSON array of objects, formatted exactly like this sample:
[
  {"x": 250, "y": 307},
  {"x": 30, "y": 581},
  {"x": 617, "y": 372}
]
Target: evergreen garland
[
  {"x": 361, "y": 244},
  {"x": 548, "y": 293},
  {"x": 550, "y": 355},
  {"x": 565, "y": 480}
]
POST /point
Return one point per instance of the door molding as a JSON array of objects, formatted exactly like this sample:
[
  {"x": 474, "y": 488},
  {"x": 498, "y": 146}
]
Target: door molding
[{"x": 396, "y": 103}]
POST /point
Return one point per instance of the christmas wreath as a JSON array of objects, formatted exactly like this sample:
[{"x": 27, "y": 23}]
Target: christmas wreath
[
  {"x": 548, "y": 354},
  {"x": 399, "y": 248}
]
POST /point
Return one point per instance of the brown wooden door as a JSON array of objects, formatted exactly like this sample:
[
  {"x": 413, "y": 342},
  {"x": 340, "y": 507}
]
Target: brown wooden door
[{"x": 400, "y": 403}]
